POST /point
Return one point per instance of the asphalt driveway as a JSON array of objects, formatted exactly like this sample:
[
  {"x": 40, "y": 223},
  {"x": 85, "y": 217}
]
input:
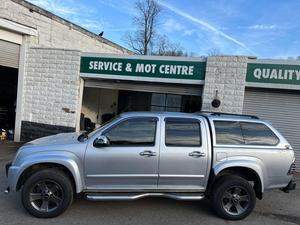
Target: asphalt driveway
[{"x": 275, "y": 208}]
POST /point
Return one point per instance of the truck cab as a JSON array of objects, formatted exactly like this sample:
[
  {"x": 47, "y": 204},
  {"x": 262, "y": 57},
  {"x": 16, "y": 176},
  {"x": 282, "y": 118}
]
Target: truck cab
[{"x": 150, "y": 147}]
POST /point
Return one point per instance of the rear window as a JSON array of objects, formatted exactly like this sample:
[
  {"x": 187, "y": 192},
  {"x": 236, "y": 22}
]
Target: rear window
[
  {"x": 245, "y": 133},
  {"x": 228, "y": 133},
  {"x": 258, "y": 134},
  {"x": 182, "y": 133}
]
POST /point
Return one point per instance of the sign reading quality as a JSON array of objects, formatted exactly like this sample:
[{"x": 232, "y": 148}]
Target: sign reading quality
[{"x": 273, "y": 73}]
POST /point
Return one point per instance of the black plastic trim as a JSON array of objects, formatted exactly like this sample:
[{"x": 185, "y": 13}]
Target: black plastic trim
[
  {"x": 291, "y": 186},
  {"x": 7, "y": 168}
]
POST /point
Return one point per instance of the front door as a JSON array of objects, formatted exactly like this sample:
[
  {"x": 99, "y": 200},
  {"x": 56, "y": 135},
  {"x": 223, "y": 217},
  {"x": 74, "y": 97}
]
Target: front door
[
  {"x": 183, "y": 153},
  {"x": 130, "y": 160}
]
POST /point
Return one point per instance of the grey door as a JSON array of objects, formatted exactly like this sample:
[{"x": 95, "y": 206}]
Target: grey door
[
  {"x": 9, "y": 55},
  {"x": 130, "y": 161},
  {"x": 281, "y": 108},
  {"x": 183, "y": 154}
]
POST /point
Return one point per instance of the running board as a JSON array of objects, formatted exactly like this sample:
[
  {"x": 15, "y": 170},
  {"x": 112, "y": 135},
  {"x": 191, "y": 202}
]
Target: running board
[{"x": 134, "y": 196}]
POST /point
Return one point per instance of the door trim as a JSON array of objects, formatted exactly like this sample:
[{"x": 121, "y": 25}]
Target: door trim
[
  {"x": 181, "y": 176},
  {"x": 120, "y": 175},
  {"x": 141, "y": 190}
]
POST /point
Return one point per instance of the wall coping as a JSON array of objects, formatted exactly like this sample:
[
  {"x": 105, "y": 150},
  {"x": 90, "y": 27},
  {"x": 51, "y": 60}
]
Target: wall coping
[{"x": 39, "y": 10}]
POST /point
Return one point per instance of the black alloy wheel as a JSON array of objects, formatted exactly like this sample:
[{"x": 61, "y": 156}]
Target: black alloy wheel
[
  {"x": 235, "y": 200},
  {"x": 46, "y": 196},
  {"x": 233, "y": 197},
  {"x": 47, "y": 193}
]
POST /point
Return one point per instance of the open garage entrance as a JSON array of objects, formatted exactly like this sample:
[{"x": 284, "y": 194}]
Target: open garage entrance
[
  {"x": 114, "y": 84},
  {"x": 8, "y": 96},
  {"x": 9, "y": 63},
  {"x": 100, "y": 102}
]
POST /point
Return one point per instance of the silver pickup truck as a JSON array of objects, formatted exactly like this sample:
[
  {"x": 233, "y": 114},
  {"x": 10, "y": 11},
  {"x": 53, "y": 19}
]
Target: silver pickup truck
[{"x": 231, "y": 159}]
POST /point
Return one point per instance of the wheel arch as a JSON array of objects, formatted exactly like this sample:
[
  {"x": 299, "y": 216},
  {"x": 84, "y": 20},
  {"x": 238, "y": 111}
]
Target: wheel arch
[
  {"x": 251, "y": 173},
  {"x": 69, "y": 167}
]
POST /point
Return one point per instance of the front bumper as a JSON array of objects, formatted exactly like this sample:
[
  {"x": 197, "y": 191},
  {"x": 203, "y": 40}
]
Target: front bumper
[
  {"x": 6, "y": 172},
  {"x": 291, "y": 186},
  {"x": 7, "y": 168},
  {"x": 12, "y": 173}
]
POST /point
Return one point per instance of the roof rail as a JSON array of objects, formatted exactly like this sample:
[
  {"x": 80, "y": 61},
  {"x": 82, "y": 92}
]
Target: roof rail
[{"x": 229, "y": 114}]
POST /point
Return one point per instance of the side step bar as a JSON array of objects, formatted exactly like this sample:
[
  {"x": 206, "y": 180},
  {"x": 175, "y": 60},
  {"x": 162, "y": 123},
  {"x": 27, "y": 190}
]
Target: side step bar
[{"x": 134, "y": 196}]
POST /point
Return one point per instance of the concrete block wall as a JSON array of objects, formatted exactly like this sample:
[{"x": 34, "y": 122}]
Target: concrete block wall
[
  {"x": 227, "y": 75},
  {"x": 51, "y": 90},
  {"x": 53, "y": 31}
]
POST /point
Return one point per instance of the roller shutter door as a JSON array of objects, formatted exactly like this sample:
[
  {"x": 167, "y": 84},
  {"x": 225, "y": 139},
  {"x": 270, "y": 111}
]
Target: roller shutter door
[
  {"x": 180, "y": 89},
  {"x": 9, "y": 54},
  {"x": 280, "y": 107}
]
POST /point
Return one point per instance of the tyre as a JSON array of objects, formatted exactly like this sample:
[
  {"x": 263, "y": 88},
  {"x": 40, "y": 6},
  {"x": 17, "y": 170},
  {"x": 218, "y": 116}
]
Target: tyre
[
  {"x": 47, "y": 193},
  {"x": 233, "y": 198}
]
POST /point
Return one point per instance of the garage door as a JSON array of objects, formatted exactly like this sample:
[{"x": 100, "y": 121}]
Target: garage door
[
  {"x": 280, "y": 107},
  {"x": 154, "y": 87},
  {"x": 9, "y": 54}
]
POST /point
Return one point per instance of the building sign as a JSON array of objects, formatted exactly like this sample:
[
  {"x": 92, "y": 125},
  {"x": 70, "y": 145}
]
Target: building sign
[
  {"x": 140, "y": 67},
  {"x": 273, "y": 73}
]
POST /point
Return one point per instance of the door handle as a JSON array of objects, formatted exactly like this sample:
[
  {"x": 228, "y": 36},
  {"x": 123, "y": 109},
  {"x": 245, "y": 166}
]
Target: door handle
[
  {"x": 196, "y": 154},
  {"x": 147, "y": 153}
]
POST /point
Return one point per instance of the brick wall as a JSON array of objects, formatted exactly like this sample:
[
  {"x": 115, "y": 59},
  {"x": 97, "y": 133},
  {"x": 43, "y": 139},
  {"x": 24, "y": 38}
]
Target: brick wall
[
  {"x": 51, "y": 89},
  {"x": 227, "y": 75}
]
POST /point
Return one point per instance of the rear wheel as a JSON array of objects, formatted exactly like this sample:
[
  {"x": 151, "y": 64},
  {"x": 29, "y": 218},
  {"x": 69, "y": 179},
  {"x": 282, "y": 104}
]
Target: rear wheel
[
  {"x": 233, "y": 198},
  {"x": 47, "y": 193}
]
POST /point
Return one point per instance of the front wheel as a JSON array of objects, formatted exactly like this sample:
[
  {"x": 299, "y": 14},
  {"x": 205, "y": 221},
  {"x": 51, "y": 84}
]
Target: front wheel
[
  {"x": 47, "y": 193},
  {"x": 233, "y": 198}
]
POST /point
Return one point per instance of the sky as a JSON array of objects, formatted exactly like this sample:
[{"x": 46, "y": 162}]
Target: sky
[{"x": 262, "y": 28}]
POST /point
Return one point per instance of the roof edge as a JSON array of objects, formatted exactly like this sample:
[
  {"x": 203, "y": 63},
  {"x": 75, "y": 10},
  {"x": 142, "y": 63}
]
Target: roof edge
[{"x": 37, "y": 9}]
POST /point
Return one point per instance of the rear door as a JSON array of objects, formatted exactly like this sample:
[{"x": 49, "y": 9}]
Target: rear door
[{"x": 183, "y": 153}]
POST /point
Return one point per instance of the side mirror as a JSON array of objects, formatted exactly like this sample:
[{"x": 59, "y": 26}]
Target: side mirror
[{"x": 101, "y": 141}]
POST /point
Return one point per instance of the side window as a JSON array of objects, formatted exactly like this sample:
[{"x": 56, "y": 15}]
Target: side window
[
  {"x": 258, "y": 134},
  {"x": 133, "y": 132},
  {"x": 228, "y": 133},
  {"x": 182, "y": 132}
]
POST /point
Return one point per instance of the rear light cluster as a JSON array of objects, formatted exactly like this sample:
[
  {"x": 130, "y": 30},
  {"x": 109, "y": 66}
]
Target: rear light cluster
[{"x": 292, "y": 170}]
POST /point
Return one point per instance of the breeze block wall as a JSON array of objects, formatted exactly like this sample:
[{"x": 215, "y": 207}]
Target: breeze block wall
[
  {"x": 227, "y": 75},
  {"x": 54, "y": 31},
  {"x": 51, "y": 92}
]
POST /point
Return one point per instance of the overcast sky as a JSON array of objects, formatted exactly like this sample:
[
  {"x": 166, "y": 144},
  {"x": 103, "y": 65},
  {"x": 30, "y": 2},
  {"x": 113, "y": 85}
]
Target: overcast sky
[{"x": 264, "y": 28}]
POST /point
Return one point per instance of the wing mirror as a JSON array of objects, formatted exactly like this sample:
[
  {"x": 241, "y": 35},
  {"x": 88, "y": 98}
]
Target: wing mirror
[{"x": 101, "y": 141}]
